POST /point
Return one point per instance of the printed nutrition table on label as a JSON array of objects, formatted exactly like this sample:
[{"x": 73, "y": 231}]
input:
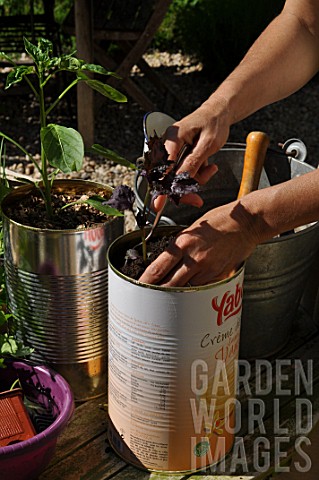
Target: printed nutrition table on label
[{"x": 275, "y": 410}]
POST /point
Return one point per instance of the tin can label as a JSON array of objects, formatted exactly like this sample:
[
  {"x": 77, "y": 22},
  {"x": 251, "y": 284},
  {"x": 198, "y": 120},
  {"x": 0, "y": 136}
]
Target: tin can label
[{"x": 172, "y": 372}]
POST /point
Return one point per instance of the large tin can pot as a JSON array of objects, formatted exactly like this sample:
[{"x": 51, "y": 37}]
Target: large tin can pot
[
  {"x": 172, "y": 356},
  {"x": 57, "y": 288},
  {"x": 278, "y": 270}
]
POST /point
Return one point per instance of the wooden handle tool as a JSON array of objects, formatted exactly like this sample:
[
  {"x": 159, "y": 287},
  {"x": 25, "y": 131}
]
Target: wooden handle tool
[{"x": 255, "y": 154}]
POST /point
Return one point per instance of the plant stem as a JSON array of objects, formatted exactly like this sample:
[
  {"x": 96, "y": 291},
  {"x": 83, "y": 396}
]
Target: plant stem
[
  {"x": 46, "y": 182},
  {"x": 22, "y": 150},
  {"x": 32, "y": 87},
  {"x": 15, "y": 383},
  {"x": 144, "y": 245},
  {"x": 147, "y": 200},
  {"x": 61, "y": 96},
  {"x": 143, "y": 233}
]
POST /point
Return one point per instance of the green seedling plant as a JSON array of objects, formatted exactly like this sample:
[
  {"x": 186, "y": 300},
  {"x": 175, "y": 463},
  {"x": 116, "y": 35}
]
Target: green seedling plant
[
  {"x": 10, "y": 346},
  {"x": 62, "y": 148}
]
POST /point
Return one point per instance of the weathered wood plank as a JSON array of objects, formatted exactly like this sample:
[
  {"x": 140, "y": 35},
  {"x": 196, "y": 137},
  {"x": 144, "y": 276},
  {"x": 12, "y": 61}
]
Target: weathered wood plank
[
  {"x": 88, "y": 422},
  {"x": 84, "y": 45},
  {"x": 275, "y": 386},
  {"x": 274, "y": 437},
  {"x": 96, "y": 460},
  {"x": 145, "y": 39},
  {"x": 130, "y": 86}
]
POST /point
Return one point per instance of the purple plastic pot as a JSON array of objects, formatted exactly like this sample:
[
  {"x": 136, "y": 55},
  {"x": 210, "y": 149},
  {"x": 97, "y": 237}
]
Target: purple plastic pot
[{"x": 44, "y": 387}]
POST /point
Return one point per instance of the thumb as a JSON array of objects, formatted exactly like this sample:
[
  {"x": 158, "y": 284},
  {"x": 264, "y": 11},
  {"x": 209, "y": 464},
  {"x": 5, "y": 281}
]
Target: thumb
[{"x": 159, "y": 203}]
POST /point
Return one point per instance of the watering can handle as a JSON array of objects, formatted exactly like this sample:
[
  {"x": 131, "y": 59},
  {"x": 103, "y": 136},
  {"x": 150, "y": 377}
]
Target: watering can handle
[{"x": 255, "y": 154}]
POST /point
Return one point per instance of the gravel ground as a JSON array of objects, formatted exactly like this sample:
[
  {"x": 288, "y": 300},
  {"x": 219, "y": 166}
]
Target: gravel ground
[{"x": 119, "y": 126}]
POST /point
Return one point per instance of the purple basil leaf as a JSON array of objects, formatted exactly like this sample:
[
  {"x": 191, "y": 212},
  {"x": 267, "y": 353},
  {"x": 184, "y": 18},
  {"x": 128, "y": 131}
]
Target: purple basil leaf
[
  {"x": 157, "y": 154},
  {"x": 182, "y": 185},
  {"x": 156, "y": 174},
  {"x": 122, "y": 198},
  {"x": 163, "y": 185}
]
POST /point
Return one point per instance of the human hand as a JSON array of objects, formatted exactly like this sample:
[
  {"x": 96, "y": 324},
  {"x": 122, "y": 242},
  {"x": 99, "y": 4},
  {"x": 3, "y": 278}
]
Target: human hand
[
  {"x": 206, "y": 131},
  {"x": 209, "y": 250}
]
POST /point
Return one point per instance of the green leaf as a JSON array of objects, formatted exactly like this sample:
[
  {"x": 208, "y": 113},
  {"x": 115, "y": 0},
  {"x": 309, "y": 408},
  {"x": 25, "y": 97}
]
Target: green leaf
[
  {"x": 98, "y": 203},
  {"x": 23, "y": 351},
  {"x": 17, "y": 74},
  {"x": 53, "y": 62},
  {"x": 7, "y": 57},
  {"x": 41, "y": 52},
  {"x": 106, "y": 209},
  {"x": 106, "y": 90},
  {"x": 45, "y": 46},
  {"x": 70, "y": 63},
  {"x": 8, "y": 345},
  {"x": 113, "y": 156},
  {"x": 90, "y": 67},
  {"x": 82, "y": 76},
  {"x": 63, "y": 147},
  {"x": 31, "y": 49}
]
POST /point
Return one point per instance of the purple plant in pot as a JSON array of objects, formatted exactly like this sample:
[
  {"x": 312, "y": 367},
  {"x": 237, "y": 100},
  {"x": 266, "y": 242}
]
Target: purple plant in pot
[{"x": 50, "y": 399}]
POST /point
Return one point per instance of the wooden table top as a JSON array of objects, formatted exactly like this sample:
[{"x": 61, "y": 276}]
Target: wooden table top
[{"x": 286, "y": 385}]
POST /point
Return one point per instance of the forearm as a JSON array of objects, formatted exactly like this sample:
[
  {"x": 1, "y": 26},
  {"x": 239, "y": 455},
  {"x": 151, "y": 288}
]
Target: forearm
[
  {"x": 281, "y": 208},
  {"x": 219, "y": 241},
  {"x": 280, "y": 62}
]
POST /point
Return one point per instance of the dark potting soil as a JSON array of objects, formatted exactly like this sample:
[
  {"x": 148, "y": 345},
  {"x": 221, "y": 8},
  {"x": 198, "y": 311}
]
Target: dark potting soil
[
  {"x": 134, "y": 265},
  {"x": 30, "y": 211}
]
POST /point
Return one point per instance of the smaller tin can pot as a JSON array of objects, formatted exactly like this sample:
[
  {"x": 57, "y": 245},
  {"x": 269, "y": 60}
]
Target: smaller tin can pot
[{"x": 172, "y": 367}]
